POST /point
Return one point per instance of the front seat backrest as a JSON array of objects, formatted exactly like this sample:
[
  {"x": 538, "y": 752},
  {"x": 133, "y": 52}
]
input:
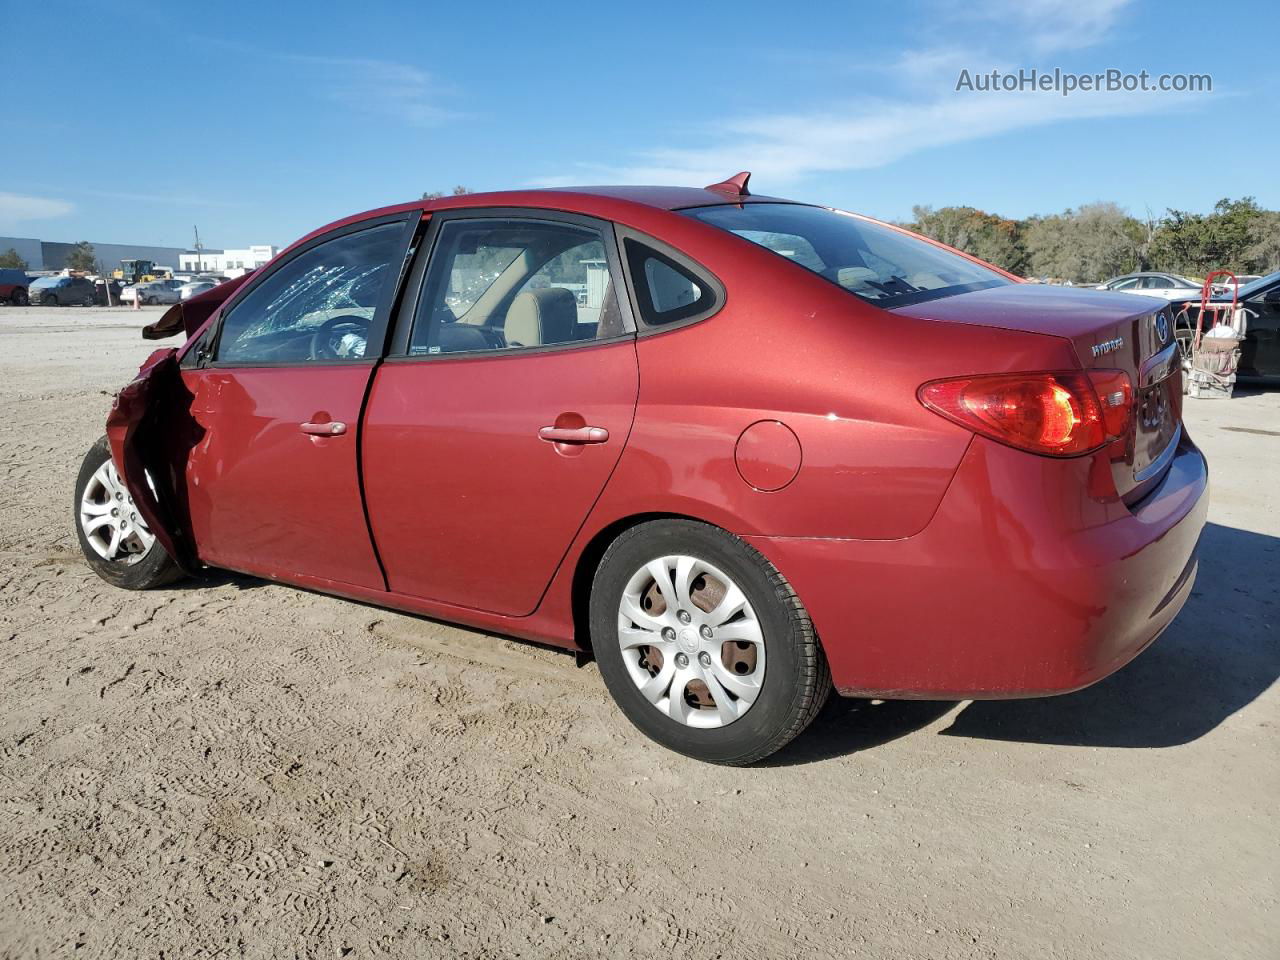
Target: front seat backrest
[{"x": 538, "y": 317}]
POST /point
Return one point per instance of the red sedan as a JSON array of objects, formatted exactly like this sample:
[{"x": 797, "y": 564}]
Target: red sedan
[{"x": 738, "y": 449}]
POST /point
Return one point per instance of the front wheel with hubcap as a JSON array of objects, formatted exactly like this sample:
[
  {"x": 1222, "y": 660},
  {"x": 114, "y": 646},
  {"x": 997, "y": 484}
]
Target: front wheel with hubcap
[
  {"x": 703, "y": 643},
  {"x": 114, "y": 538}
]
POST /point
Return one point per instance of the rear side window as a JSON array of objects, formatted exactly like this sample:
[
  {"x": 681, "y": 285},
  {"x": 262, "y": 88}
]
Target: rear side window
[
  {"x": 667, "y": 291},
  {"x": 871, "y": 260},
  {"x": 509, "y": 283}
]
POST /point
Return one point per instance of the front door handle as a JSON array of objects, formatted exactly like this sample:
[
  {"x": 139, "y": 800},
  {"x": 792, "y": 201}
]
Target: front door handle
[
  {"x": 573, "y": 434},
  {"x": 334, "y": 428}
]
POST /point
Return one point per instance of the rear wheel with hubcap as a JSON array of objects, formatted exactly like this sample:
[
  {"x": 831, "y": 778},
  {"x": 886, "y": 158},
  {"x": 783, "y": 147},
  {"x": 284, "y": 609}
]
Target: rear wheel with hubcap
[
  {"x": 114, "y": 537},
  {"x": 703, "y": 643}
]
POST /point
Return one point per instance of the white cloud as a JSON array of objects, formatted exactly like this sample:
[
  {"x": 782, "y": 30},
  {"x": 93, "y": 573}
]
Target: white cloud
[
  {"x": 16, "y": 207},
  {"x": 785, "y": 147},
  {"x": 931, "y": 64},
  {"x": 926, "y": 114},
  {"x": 1053, "y": 25},
  {"x": 385, "y": 88},
  {"x": 381, "y": 87}
]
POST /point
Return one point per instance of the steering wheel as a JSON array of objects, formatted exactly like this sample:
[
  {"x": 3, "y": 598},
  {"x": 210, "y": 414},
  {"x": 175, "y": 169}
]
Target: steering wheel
[{"x": 328, "y": 334}]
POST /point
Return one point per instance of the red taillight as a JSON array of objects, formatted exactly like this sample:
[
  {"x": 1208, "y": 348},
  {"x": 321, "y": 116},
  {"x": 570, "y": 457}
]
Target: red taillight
[
  {"x": 1115, "y": 396},
  {"x": 1056, "y": 414}
]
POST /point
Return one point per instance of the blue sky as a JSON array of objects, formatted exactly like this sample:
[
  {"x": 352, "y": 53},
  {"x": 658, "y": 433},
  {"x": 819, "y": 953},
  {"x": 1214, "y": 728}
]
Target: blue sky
[{"x": 259, "y": 121}]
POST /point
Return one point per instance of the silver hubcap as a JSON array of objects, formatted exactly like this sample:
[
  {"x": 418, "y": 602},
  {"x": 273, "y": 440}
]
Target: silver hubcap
[
  {"x": 110, "y": 521},
  {"x": 691, "y": 641}
]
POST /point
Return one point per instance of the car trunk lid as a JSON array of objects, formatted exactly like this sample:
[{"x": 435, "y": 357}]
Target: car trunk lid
[{"x": 1108, "y": 331}]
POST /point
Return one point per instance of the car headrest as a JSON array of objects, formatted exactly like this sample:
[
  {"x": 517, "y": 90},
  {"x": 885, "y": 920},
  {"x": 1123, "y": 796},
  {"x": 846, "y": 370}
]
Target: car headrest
[
  {"x": 538, "y": 317},
  {"x": 460, "y": 337}
]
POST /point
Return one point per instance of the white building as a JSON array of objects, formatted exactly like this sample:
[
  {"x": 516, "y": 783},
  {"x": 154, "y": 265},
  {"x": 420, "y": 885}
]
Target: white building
[{"x": 227, "y": 263}]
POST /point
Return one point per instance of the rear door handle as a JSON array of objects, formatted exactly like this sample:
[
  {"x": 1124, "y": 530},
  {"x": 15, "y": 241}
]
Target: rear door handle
[
  {"x": 334, "y": 428},
  {"x": 573, "y": 434}
]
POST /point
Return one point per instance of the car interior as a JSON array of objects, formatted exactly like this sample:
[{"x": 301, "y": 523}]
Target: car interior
[
  {"x": 331, "y": 323},
  {"x": 509, "y": 284},
  {"x": 491, "y": 285},
  {"x": 870, "y": 260}
]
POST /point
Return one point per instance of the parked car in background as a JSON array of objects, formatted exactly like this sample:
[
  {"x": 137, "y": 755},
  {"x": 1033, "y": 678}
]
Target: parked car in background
[
  {"x": 61, "y": 291},
  {"x": 192, "y": 287},
  {"x": 1242, "y": 280},
  {"x": 1164, "y": 285},
  {"x": 13, "y": 286},
  {"x": 106, "y": 292},
  {"x": 1260, "y": 350},
  {"x": 780, "y": 448},
  {"x": 153, "y": 291}
]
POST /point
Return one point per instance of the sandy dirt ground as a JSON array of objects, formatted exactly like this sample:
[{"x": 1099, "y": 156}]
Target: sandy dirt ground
[{"x": 232, "y": 768}]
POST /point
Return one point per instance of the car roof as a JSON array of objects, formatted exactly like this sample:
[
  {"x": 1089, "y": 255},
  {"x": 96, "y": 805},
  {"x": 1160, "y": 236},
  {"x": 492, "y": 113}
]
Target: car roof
[
  {"x": 605, "y": 202},
  {"x": 659, "y": 197}
]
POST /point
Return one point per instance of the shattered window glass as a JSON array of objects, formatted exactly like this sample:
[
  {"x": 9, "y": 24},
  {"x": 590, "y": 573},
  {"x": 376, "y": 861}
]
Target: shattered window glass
[{"x": 319, "y": 306}]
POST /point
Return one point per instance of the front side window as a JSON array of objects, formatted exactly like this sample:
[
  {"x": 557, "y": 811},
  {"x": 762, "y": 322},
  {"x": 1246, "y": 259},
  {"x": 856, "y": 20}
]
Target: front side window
[
  {"x": 499, "y": 283},
  {"x": 871, "y": 260},
  {"x": 318, "y": 306}
]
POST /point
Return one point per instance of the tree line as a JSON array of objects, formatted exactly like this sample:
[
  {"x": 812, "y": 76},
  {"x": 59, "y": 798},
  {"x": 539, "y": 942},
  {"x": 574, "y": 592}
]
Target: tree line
[{"x": 1098, "y": 241}]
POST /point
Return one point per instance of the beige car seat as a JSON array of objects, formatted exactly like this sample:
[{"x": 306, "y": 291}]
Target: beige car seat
[{"x": 538, "y": 317}]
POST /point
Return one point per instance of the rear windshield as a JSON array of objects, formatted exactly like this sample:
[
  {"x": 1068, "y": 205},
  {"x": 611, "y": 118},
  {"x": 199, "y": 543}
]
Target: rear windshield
[{"x": 870, "y": 260}]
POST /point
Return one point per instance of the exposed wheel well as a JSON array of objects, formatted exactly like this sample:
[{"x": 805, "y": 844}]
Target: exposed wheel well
[{"x": 589, "y": 560}]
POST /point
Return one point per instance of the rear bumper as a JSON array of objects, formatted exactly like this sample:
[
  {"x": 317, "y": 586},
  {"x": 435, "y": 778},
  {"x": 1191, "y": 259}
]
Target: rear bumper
[{"x": 1020, "y": 586}]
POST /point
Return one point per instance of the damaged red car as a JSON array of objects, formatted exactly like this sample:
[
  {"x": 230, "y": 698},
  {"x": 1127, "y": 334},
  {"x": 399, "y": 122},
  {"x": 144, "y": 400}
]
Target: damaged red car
[{"x": 741, "y": 451}]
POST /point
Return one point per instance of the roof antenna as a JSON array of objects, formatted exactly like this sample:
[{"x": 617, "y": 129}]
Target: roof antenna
[{"x": 735, "y": 186}]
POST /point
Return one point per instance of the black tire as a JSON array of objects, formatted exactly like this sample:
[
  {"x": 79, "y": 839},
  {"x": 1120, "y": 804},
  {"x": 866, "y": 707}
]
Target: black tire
[
  {"x": 154, "y": 568},
  {"x": 87, "y": 301},
  {"x": 19, "y": 298},
  {"x": 151, "y": 301},
  {"x": 49, "y": 300},
  {"x": 797, "y": 679}
]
